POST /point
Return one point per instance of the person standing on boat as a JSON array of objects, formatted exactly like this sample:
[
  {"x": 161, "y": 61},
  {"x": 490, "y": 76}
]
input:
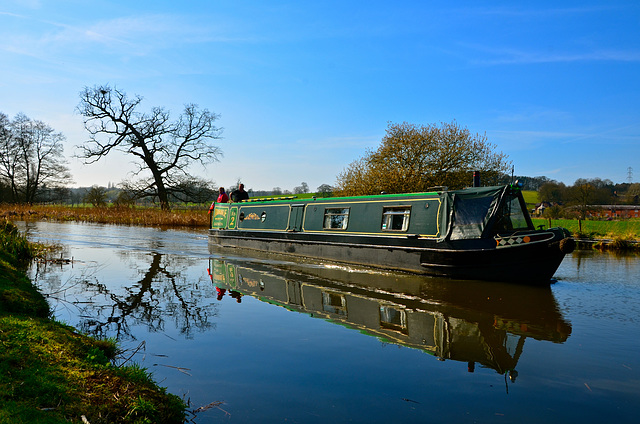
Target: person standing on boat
[
  {"x": 239, "y": 195},
  {"x": 223, "y": 197}
]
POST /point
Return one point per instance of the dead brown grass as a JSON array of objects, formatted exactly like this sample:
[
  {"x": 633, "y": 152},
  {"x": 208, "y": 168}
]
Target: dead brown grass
[{"x": 190, "y": 218}]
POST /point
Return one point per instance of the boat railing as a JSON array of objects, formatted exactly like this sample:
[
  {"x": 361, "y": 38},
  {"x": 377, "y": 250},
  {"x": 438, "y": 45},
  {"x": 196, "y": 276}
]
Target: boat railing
[{"x": 269, "y": 199}]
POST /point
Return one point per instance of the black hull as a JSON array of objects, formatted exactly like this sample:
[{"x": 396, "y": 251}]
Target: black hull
[
  {"x": 527, "y": 263},
  {"x": 523, "y": 264}
]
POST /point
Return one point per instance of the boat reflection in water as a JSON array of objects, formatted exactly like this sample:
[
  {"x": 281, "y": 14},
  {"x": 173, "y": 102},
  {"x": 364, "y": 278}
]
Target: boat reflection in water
[{"x": 475, "y": 322}]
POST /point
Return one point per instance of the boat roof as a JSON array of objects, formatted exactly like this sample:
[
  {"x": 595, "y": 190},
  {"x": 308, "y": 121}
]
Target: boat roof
[{"x": 478, "y": 191}]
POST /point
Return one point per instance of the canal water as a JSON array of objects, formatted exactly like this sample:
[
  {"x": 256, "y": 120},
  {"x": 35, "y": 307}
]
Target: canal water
[{"x": 250, "y": 339}]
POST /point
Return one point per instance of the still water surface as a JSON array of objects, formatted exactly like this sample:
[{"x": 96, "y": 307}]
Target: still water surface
[{"x": 277, "y": 341}]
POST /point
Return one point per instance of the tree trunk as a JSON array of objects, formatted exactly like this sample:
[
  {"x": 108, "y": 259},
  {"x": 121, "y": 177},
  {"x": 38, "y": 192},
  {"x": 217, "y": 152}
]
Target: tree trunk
[
  {"x": 164, "y": 200},
  {"x": 161, "y": 190},
  {"x": 163, "y": 197}
]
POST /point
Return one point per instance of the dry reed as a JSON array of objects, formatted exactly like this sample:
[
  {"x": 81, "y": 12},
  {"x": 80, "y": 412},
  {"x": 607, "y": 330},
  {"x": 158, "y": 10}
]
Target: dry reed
[{"x": 153, "y": 217}]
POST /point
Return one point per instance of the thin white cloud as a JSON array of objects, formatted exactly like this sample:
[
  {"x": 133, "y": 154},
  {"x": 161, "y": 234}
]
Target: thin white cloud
[
  {"x": 339, "y": 142},
  {"x": 30, "y": 4},
  {"x": 532, "y": 115},
  {"x": 538, "y": 134},
  {"x": 617, "y": 135},
  {"x": 521, "y": 22},
  {"x": 130, "y": 36},
  {"x": 14, "y": 15},
  {"x": 511, "y": 56},
  {"x": 519, "y": 11},
  {"x": 525, "y": 140}
]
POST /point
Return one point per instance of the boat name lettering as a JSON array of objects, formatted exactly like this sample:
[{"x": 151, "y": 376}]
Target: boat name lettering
[{"x": 252, "y": 217}]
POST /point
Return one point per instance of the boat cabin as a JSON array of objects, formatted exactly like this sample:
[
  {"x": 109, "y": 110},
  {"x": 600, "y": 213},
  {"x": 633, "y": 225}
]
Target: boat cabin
[{"x": 472, "y": 213}]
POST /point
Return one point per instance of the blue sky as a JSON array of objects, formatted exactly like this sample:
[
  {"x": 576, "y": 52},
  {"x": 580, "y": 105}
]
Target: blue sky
[{"x": 304, "y": 88}]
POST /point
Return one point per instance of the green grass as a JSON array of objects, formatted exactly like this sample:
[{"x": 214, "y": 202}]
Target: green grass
[
  {"x": 12, "y": 244},
  {"x": 625, "y": 229},
  {"x": 617, "y": 230},
  {"x": 49, "y": 373},
  {"x": 530, "y": 198}
]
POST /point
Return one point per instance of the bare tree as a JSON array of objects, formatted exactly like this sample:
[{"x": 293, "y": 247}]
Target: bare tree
[
  {"x": 324, "y": 189},
  {"x": 633, "y": 194},
  {"x": 31, "y": 158},
  {"x": 97, "y": 196},
  {"x": 196, "y": 190},
  {"x": 302, "y": 188},
  {"x": 553, "y": 193},
  {"x": 585, "y": 193},
  {"x": 164, "y": 150}
]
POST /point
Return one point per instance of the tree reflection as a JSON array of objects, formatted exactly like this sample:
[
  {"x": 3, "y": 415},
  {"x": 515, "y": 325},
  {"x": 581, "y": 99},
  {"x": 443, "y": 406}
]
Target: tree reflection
[
  {"x": 163, "y": 293},
  {"x": 593, "y": 264}
]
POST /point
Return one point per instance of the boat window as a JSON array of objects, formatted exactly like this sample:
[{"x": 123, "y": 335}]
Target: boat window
[
  {"x": 393, "y": 318},
  {"x": 334, "y": 303},
  {"x": 337, "y": 218},
  {"x": 511, "y": 216},
  {"x": 396, "y": 218}
]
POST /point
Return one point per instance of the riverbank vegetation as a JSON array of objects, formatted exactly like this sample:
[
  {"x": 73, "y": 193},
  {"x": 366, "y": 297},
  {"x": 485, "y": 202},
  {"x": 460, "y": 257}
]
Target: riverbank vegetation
[
  {"x": 600, "y": 234},
  {"x": 595, "y": 229},
  {"x": 196, "y": 217},
  {"x": 601, "y": 214},
  {"x": 49, "y": 373}
]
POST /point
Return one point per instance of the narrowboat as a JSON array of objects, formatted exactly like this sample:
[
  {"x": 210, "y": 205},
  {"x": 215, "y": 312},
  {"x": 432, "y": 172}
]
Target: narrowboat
[{"x": 478, "y": 233}]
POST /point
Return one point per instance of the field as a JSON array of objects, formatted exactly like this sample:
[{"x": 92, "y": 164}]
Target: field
[
  {"x": 626, "y": 229},
  {"x": 530, "y": 198}
]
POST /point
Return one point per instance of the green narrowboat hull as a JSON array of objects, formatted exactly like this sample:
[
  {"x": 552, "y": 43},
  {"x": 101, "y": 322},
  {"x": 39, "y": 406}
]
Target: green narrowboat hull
[{"x": 479, "y": 233}]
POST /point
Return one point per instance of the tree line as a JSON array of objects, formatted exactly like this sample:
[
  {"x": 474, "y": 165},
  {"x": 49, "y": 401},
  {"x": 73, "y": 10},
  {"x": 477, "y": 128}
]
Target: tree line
[
  {"x": 33, "y": 168},
  {"x": 578, "y": 199},
  {"x": 102, "y": 196},
  {"x": 410, "y": 158},
  {"x": 32, "y": 163}
]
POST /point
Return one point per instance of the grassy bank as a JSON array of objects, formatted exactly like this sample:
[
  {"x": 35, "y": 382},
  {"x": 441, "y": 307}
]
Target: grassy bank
[
  {"x": 627, "y": 229},
  {"x": 603, "y": 235},
  {"x": 530, "y": 198},
  {"x": 49, "y": 373}
]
